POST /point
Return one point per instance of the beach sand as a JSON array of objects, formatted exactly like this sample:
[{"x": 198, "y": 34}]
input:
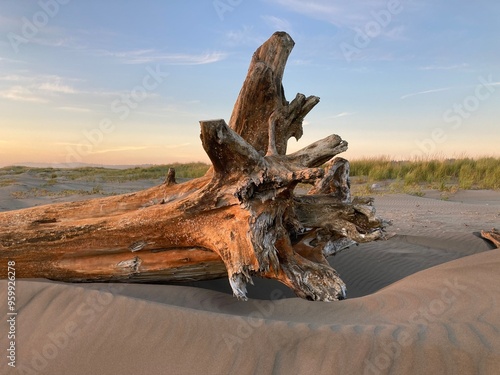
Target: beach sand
[{"x": 425, "y": 301}]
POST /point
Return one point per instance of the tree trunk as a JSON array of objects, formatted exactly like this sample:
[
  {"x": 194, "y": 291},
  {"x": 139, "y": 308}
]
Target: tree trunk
[{"x": 241, "y": 219}]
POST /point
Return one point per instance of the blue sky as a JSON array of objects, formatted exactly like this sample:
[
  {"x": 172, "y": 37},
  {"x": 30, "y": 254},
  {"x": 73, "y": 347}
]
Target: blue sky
[{"x": 126, "y": 82}]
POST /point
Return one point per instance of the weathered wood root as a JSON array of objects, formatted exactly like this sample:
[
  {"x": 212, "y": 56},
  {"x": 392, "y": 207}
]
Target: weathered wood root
[
  {"x": 492, "y": 236},
  {"x": 241, "y": 219}
]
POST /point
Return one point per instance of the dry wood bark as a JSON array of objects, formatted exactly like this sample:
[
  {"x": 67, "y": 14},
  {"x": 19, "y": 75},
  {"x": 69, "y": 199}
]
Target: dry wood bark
[
  {"x": 241, "y": 219},
  {"x": 493, "y": 236}
]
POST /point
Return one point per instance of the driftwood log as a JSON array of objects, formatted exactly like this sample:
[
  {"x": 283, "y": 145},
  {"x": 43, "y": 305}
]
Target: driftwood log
[
  {"x": 493, "y": 236},
  {"x": 243, "y": 218}
]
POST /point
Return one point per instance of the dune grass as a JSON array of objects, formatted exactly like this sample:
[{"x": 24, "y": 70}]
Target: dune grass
[
  {"x": 441, "y": 174},
  {"x": 7, "y": 182},
  {"x": 100, "y": 174},
  {"x": 188, "y": 170}
]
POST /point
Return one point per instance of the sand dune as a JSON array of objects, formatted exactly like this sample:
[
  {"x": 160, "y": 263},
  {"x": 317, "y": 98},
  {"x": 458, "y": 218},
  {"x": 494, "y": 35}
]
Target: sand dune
[
  {"x": 426, "y": 301},
  {"x": 441, "y": 320}
]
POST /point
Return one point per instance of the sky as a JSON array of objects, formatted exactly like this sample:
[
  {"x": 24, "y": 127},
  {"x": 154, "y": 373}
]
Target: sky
[{"x": 127, "y": 82}]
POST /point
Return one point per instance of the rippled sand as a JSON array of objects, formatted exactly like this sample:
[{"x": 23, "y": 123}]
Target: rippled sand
[{"x": 426, "y": 301}]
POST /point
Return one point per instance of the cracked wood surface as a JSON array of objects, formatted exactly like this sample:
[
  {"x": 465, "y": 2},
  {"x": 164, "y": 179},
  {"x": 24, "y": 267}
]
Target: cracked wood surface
[{"x": 241, "y": 219}]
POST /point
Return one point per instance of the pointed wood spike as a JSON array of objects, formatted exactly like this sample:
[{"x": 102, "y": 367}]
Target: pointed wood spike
[
  {"x": 274, "y": 53},
  {"x": 170, "y": 179},
  {"x": 262, "y": 92},
  {"x": 319, "y": 152}
]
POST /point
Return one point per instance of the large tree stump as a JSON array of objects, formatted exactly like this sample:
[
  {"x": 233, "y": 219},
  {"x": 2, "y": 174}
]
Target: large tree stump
[{"x": 241, "y": 219}]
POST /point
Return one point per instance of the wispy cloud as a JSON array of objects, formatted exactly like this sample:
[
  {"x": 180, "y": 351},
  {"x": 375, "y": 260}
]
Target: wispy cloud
[
  {"x": 315, "y": 8},
  {"x": 339, "y": 13},
  {"x": 427, "y": 92},
  {"x": 445, "y": 67},
  {"x": 9, "y": 23},
  {"x": 35, "y": 88},
  {"x": 21, "y": 94},
  {"x": 74, "y": 109},
  {"x": 301, "y": 62},
  {"x": 104, "y": 151},
  {"x": 16, "y": 78},
  {"x": 119, "y": 149},
  {"x": 10, "y": 61},
  {"x": 485, "y": 83},
  {"x": 277, "y": 23},
  {"x": 246, "y": 36},
  {"x": 48, "y": 35},
  {"x": 396, "y": 33},
  {"x": 57, "y": 87},
  {"x": 342, "y": 114},
  {"x": 57, "y": 39},
  {"x": 145, "y": 56},
  {"x": 177, "y": 145}
]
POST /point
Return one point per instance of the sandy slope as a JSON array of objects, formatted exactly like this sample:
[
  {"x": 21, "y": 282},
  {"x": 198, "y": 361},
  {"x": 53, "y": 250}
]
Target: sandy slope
[
  {"x": 426, "y": 301},
  {"x": 441, "y": 320}
]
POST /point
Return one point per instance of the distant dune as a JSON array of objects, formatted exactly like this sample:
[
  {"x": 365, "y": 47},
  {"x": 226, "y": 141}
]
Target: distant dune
[{"x": 79, "y": 165}]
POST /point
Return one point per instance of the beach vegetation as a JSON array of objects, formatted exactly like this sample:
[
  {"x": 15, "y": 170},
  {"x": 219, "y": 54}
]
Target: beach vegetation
[
  {"x": 187, "y": 170},
  {"x": 441, "y": 174}
]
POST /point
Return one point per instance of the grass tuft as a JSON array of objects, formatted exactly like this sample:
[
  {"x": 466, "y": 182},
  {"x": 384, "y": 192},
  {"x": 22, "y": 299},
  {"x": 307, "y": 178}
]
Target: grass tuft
[{"x": 442, "y": 174}]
